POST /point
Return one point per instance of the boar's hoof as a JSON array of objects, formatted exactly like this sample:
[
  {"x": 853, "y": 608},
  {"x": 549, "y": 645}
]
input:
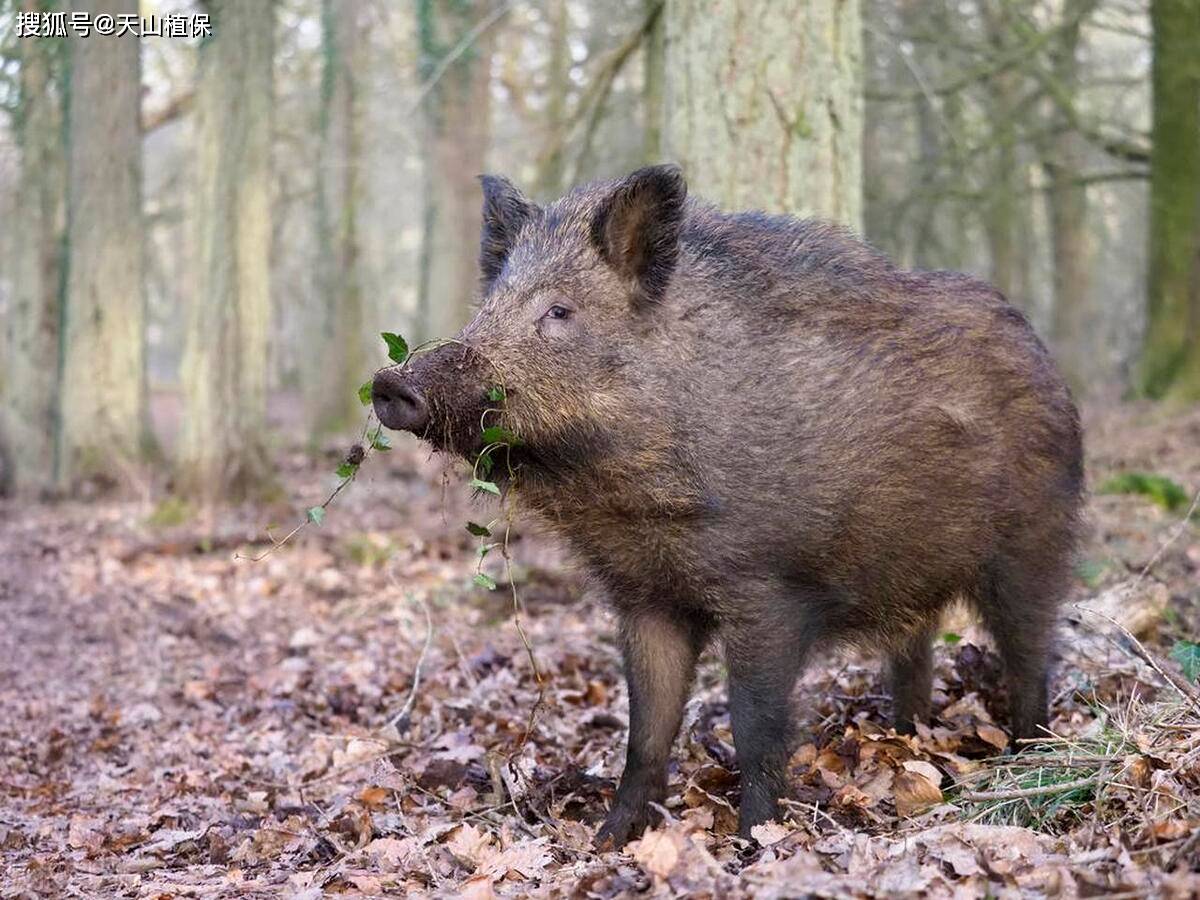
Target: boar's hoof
[
  {"x": 756, "y": 811},
  {"x": 621, "y": 825}
]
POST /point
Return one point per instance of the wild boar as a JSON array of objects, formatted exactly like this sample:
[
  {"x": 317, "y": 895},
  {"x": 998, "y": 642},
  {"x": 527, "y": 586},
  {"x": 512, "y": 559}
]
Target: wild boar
[{"x": 759, "y": 429}]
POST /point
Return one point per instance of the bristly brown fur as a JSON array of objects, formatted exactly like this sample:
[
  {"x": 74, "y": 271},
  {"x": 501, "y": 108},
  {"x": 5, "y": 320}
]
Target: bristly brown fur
[{"x": 795, "y": 443}]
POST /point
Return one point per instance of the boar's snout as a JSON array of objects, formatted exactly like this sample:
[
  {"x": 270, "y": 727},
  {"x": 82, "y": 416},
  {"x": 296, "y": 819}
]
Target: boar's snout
[{"x": 399, "y": 404}]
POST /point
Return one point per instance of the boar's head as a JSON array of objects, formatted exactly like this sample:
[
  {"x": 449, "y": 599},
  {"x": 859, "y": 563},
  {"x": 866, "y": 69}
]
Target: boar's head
[{"x": 566, "y": 291}]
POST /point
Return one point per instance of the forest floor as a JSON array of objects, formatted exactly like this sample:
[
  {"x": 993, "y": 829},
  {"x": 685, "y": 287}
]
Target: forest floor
[{"x": 350, "y": 715}]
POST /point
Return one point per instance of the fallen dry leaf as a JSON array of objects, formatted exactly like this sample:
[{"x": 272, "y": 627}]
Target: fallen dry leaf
[
  {"x": 524, "y": 860},
  {"x": 471, "y": 845},
  {"x": 914, "y": 793},
  {"x": 477, "y": 887},
  {"x": 657, "y": 851},
  {"x": 392, "y": 854},
  {"x": 86, "y": 833},
  {"x": 993, "y": 735},
  {"x": 769, "y": 833},
  {"x": 928, "y": 770}
]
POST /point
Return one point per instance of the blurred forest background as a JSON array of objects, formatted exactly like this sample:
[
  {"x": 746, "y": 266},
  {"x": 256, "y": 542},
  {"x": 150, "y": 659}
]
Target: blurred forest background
[{"x": 203, "y": 237}]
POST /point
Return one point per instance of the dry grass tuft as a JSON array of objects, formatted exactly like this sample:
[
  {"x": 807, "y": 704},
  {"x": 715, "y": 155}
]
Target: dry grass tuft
[{"x": 1136, "y": 772}]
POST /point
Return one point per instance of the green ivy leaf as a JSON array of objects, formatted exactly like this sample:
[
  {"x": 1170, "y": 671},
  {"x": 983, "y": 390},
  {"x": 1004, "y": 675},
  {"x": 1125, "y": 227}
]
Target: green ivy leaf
[
  {"x": 479, "y": 530},
  {"x": 950, "y": 638},
  {"x": 1187, "y": 654},
  {"x": 397, "y": 347},
  {"x": 364, "y": 393},
  {"x": 380, "y": 441},
  {"x": 485, "y": 464},
  {"x": 497, "y": 434},
  {"x": 489, "y": 486},
  {"x": 316, "y": 515},
  {"x": 347, "y": 470},
  {"x": 485, "y": 581},
  {"x": 495, "y": 394}
]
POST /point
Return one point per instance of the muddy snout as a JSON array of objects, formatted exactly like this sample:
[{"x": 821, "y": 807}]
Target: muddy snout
[{"x": 399, "y": 402}]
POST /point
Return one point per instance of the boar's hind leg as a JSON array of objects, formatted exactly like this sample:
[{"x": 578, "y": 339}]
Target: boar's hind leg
[
  {"x": 1019, "y": 607},
  {"x": 763, "y": 660},
  {"x": 910, "y": 672},
  {"x": 660, "y": 660}
]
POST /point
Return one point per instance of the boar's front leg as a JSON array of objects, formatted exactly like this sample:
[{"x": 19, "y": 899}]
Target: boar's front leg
[
  {"x": 660, "y": 649},
  {"x": 763, "y": 658},
  {"x": 910, "y": 672}
]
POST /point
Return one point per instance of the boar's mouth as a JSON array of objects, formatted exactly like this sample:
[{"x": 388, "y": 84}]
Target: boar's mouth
[{"x": 442, "y": 397}]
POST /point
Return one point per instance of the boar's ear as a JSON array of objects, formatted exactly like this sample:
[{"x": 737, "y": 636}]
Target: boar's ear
[
  {"x": 636, "y": 228},
  {"x": 505, "y": 210}
]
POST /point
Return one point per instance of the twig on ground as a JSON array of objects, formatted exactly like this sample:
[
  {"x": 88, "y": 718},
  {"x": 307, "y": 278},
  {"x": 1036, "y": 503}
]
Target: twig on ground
[
  {"x": 1178, "y": 530},
  {"x": 1185, "y": 688},
  {"x": 336, "y": 771},
  {"x": 1190, "y": 843},
  {"x": 510, "y": 788},
  {"x": 537, "y": 672},
  {"x": 393, "y": 722},
  {"x": 1022, "y": 793},
  {"x": 816, "y": 811}
]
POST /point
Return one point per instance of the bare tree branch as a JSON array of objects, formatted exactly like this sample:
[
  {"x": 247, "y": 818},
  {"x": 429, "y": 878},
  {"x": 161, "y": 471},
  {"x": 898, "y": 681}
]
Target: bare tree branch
[
  {"x": 600, "y": 85},
  {"x": 459, "y": 49},
  {"x": 175, "y": 108}
]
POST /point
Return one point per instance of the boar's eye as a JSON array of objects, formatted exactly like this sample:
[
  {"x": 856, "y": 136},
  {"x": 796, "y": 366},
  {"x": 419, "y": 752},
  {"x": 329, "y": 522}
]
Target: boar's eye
[{"x": 558, "y": 321}]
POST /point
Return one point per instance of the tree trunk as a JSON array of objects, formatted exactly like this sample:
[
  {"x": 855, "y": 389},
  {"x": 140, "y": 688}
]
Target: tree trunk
[
  {"x": 764, "y": 103},
  {"x": 1002, "y": 219},
  {"x": 558, "y": 85},
  {"x": 332, "y": 384},
  {"x": 103, "y": 426},
  {"x": 225, "y": 360},
  {"x": 29, "y": 380},
  {"x": 456, "y": 118},
  {"x": 877, "y": 140},
  {"x": 1004, "y": 212},
  {"x": 1076, "y": 321},
  {"x": 929, "y": 161},
  {"x": 1170, "y": 364},
  {"x": 1007, "y": 207},
  {"x": 653, "y": 81}
]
